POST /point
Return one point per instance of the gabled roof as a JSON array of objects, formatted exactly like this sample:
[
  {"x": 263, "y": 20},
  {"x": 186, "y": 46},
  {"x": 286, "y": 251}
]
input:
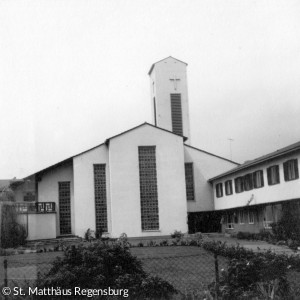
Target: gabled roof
[
  {"x": 145, "y": 123},
  {"x": 69, "y": 160},
  {"x": 152, "y": 67},
  {"x": 278, "y": 153},
  {"x": 206, "y": 152}
]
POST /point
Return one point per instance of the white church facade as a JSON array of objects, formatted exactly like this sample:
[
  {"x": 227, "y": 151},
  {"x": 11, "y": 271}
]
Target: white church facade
[{"x": 146, "y": 181}]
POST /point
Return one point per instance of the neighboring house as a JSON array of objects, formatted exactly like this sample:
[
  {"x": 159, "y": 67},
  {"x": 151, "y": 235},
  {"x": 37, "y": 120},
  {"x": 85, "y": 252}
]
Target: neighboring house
[
  {"x": 253, "y": 195},
  {"x": 143, "y": 182}
]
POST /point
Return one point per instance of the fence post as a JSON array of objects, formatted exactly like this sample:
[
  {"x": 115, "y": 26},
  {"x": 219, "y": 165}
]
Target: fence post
[
  {"x": 5, "y": 272},
  {"x": 217, "y": 275}
]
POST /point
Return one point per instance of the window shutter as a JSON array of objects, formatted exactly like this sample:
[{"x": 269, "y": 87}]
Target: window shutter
[
  {"x": 285, "y": 170},
  {"x": 296, "y": 168},
  {"x": 269, "y": 175},
  {"x": 262, "y": 178},
  {"x": 277, "y": 174}
]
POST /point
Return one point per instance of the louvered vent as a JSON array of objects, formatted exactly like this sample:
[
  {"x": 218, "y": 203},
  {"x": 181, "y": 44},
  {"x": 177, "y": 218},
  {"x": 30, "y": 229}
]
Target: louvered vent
[{"x": 176, "y": 114}]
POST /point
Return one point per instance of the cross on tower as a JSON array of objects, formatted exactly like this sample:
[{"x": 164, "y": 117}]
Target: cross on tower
[{"x": 175, "y": 79}]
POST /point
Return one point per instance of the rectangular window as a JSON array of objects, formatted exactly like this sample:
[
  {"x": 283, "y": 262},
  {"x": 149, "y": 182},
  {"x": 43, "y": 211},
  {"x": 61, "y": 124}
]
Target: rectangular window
[
  {"x": 290, "y": 168},
  {"x": 251, "y": 216},
  {"x": 258, "y": 179},
  {"x": 189, "y": 181},
  {"x": 176, "y": 113},
  {"x": 228, "y": 187},
  {"x": 148, "y": 188},
  {"x": 64, "y": 198},
  {"x": 100, "y": 197},
  {"x": 273, "y": 175},
  {"x": 229, "y": 221},
  {"x": 219, "y": 190},
  {"x": 242, "y": 217},
  {"x": 239, "y": 184},
  {"x": 248, "y": 183},
  {"x": 154, "y": 110},
  {"x": 29, "y": 197}
]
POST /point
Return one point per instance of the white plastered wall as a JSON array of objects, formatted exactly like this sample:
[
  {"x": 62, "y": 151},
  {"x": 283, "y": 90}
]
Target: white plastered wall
[
  {"x": 286, "y": 190},
  {"x": 48, "y": 190},
  {"x": 84, "y": 188},
  {"x": 205, "y": 166},
  {"x": 124, "y": 180}
]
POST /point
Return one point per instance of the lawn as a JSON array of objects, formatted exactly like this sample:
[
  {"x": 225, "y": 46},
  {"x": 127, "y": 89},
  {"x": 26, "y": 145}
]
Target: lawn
[{"x": 187, "y": 268}]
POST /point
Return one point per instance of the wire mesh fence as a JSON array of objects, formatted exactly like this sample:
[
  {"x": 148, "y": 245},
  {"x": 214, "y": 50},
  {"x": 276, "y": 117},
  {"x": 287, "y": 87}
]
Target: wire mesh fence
[{"x": 188, "y": 269}]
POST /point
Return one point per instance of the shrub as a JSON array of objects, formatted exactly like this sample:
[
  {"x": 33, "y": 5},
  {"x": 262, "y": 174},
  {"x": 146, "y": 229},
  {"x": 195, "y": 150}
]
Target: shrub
[
  {"x": 249, "y": 272},
  {"x": 176, "y": 235},
  {"x": 99, "y": 265},
  {"x": 12, "y": 233},
  {"x": 164, "y": 243},
  {"x": 288, "y": 227}
]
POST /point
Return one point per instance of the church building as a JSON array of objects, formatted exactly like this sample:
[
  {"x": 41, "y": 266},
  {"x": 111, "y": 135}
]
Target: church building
[{"x": 146, "y": 181}]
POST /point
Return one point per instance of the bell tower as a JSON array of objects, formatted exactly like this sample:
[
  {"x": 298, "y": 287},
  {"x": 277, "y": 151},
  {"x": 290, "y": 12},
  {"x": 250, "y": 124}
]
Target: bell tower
[{"x": 169, "y": 96}]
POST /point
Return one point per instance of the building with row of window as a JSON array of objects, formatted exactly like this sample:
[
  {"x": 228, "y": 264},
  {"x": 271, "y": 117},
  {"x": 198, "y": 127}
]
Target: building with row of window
[
  {"x": 149, "y": 181},
  {"x": 253, "y": 195}
]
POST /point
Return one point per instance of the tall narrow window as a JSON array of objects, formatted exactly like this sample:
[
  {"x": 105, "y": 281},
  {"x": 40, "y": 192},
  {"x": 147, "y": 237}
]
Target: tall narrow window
[
  {"x": 176, "y": 113},
  {"x": 258, "y": 179},
  {"x": 239, "y": 184},
  {"x": 64, "y": 198},
  {"x": 148, "y": 188},
  {"x": 273, "y": 175},
  {"x": 100, "y": 197},
  {"x": 228, "y": 187},
  {"x": 189, "y": 181},
  {"x": 154, "y": 110},
  {"x": 290, "y": 168},
  {"x": 219, "y": 190},
  {"x": 248, "y": 184}
]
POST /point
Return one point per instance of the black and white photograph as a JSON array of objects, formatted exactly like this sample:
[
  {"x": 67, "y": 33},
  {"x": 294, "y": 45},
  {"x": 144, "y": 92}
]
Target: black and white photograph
[{"x": 150, "y": 149}]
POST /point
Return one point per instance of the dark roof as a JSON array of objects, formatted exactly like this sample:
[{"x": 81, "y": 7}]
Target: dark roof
[
  {"x": 68, "y": 160},
  {"x": 272, "y": 155},
  {"x": 212, "y": 154},
  {"x": 162, "y": 60}
]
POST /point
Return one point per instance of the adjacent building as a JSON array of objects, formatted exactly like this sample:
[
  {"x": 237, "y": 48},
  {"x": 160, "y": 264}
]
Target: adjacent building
[{"x": 253, "y": 195}]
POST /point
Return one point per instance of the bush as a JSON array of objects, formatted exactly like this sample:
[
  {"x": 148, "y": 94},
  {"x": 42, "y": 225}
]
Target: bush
[
  {"x": 249, "y": 272},
  {"x": 177, "y": 235},
  {"x": 288, "y": 227},
  {"x": 99, "y": 265},
  {"x": 12, "y": 233}
]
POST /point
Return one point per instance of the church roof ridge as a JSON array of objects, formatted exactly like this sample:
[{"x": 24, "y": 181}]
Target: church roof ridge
[
  {"x": 152, "y": 67},
  {"x": 212, "y": 154},
  {"x": 105, "y": 143}
]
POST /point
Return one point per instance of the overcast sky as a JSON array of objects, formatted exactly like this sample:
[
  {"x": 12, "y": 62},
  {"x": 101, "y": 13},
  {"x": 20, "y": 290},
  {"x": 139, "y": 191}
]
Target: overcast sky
[{"x": 73, "y": 73}]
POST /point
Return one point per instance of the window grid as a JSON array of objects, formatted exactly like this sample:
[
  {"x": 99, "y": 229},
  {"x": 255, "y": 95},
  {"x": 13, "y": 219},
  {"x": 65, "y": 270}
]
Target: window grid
[
  {"x": 64, "y": 194},
  {"x": 189, "y": 181},
  {"x": 176, "y": 112},
  {"x": 100, "y": 197},
  {"x": 148, "y": 188}
]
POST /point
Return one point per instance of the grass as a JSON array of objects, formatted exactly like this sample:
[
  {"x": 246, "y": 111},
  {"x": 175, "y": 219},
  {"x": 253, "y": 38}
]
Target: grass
[{"x": 187, "y": 268}]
